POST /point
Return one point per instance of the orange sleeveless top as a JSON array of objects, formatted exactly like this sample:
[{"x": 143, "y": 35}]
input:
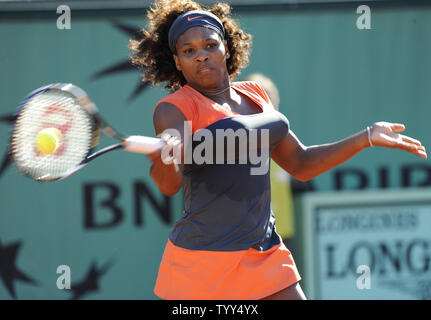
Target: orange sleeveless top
[{"x": 202, "y": 111}]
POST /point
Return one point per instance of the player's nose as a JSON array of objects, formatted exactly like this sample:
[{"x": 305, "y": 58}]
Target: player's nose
[{"x": 202, "y": 56}]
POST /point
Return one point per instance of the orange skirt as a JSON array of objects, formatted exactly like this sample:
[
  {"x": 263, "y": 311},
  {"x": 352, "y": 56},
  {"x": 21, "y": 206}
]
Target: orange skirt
[{"x": 224, "y": 275}]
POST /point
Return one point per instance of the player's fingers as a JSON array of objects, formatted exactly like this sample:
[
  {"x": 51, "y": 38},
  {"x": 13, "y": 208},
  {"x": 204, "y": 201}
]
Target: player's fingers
[
  {"x": 413, "y": 148},
  {"x": 413, "y": 145},
  {"x": 420, "y": 151},
  {"x": 399, "y": 141},
  {"x": 176, "y": 144},
  {"x": 174, "y": 140},
  {"x": 410, "y": 140},
  {"x": 423, "y": 154},
  {"x": 397, "y": 127},
  {"x": 167, "y": 137}
]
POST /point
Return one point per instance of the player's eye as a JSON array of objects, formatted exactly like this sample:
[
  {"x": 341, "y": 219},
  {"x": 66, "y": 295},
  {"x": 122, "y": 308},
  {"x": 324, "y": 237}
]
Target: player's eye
[
  {"x": 188, "y": 51},
  {"x": 211, "y": 45}
]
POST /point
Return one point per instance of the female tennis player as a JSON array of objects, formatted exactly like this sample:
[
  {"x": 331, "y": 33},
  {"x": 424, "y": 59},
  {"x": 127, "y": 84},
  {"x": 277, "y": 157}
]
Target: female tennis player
[{"x": 225, "y": 245}]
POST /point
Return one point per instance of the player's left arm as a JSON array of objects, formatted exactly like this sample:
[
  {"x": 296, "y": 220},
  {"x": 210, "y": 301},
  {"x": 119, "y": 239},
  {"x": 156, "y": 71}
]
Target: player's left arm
[{"x": 306, "y": 162}]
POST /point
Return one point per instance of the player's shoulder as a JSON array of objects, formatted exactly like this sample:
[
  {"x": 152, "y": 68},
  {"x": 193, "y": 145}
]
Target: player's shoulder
[
  {"x": 179, "y": 98},
  {"x": 179, "y": 104},
  {"x": 250, "y": 84},
  {"x": 253, "y": 88},
  {"x": 179, "y": 94}
]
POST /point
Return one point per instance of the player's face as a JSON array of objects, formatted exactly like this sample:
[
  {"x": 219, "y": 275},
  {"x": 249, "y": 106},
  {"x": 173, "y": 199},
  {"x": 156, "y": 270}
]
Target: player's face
[{"x": 201, "y": 57}]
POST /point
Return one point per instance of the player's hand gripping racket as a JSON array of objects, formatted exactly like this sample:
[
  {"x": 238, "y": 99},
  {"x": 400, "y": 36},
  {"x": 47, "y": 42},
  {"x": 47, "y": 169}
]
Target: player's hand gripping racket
[{"x": 56, "y": 130}]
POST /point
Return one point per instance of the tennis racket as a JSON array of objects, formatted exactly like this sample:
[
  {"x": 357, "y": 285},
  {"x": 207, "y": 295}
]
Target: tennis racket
[{"x": 66, "y": 110}]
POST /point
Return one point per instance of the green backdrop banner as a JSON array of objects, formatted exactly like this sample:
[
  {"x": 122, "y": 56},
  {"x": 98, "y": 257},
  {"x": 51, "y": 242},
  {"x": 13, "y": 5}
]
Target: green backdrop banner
[{"x": 108, "y": 224}]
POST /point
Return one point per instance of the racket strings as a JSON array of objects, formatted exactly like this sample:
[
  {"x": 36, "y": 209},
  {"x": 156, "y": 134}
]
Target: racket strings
[{"x": 51, "y": 109}]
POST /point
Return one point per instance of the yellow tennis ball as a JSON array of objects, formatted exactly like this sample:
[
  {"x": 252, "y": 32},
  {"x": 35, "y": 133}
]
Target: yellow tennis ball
[{"x": 48, "y": 140}]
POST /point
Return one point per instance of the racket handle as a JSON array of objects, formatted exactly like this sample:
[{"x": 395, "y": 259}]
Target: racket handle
[{"x": 142, "y": 144}]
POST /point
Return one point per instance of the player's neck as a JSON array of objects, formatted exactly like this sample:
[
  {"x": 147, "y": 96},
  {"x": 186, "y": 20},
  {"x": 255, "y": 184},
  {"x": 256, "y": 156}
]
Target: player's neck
[{"x": 221, "y": 91}]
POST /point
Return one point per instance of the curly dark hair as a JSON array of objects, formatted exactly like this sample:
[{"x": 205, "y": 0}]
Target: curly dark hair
[{"x": 151, "y": 52}]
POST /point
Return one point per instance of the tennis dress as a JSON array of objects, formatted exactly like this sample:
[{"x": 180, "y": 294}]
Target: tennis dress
[{"x": 225, "y": 245}]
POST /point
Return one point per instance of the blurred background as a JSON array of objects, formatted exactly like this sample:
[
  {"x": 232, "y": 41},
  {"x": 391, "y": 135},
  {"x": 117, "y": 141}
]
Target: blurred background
[{"x": 360, "y": 231}]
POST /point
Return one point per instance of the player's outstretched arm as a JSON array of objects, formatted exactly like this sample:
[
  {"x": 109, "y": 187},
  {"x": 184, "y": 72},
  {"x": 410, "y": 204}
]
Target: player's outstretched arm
[{"x": 306, "y": 162}]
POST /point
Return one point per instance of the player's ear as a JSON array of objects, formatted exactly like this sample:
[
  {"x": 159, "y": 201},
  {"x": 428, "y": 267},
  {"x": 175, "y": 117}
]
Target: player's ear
[{"x": 177, "y": 62}]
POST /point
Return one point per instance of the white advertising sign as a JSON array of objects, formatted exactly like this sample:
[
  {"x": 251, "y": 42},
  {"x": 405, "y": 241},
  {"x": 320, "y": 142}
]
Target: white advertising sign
[{"x": 368, "y": 245}]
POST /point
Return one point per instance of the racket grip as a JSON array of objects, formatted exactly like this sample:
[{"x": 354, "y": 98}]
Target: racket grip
[{"x": 142, "y": 144}]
